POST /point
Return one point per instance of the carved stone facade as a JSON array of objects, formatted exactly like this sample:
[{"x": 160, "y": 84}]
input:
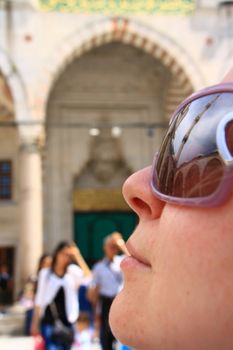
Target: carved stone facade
[
  {"x": 69, "y": 74},
  {"x": 114, "y": 85}
]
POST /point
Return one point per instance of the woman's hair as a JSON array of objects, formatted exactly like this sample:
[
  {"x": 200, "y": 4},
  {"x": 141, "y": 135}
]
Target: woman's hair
[
  {"x": 57, "y": 250},
  {"x": 41, "y": 261}
]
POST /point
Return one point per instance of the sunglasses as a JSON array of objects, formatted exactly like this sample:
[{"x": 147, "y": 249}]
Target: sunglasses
[{"x": 194, "y": 165}]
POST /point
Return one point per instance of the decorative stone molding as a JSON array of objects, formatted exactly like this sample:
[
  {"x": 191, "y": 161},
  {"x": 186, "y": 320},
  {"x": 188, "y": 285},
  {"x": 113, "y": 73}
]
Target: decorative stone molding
[
  {"x": 119, "y": 7},
  {"x": 106, "y": 158},
  {"x": 131, "y": 32},
  {"x": 32, "y": 145},
  {"x": 99, "y": 199}
]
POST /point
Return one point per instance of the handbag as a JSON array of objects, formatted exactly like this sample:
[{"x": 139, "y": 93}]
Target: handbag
[
  {"x": 61, "y": 332},
  {"x": 39, "y": 343}
]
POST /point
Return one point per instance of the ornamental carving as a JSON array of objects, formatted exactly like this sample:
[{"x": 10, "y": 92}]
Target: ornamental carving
[
  {"x": 106, "y": 159},
  {"x": 119, "y": 7}
]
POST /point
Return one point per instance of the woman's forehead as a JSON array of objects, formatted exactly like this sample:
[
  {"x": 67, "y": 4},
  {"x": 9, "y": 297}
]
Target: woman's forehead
[{"x": 229, "y": 77}]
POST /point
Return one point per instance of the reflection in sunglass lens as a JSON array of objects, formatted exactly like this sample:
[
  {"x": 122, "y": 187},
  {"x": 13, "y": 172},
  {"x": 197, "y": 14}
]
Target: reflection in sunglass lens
[
  {"x": 189, "y": 165},
  {"x": 211, "y": 177},
  {"x": 192, "y": 180},
  {"x": 229, "y": 137}
]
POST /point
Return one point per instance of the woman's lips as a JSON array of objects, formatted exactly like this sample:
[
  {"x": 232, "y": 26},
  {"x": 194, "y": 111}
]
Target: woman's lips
[
  {"x": 129, "y": 262},
  {"x": 134, "y": 259}
]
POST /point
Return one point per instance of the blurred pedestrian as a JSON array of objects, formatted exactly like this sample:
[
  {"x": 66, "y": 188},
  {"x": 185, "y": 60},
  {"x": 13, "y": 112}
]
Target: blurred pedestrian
[
  {"x": 5, "y": 287},
  {"x": 106, "y": 283},
  {"x": 84, "y": 333},
  {"x": 56, "y": 297},
  {"x": 29, "y": 291}
]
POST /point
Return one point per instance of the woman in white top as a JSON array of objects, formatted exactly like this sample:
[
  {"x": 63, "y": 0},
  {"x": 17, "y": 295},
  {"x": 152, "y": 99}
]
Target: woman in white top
[{"x": 56, "y": 295}]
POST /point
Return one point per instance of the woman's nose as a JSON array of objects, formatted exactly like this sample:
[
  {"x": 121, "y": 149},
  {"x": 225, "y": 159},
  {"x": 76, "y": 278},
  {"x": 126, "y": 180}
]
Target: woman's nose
[{"x": 138, "y": 195}]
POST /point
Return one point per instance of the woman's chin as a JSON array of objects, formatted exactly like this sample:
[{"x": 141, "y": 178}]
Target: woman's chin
[
  {"x": 117, "y": 319},
  {"x": 128, "y": 316}
]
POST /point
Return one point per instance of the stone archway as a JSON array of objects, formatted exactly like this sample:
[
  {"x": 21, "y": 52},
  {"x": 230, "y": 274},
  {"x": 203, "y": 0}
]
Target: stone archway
[
  {"x": 187, "y": 77},
  {"x": 113, "y": 84},
  {"x": 183, "y": 79},
  {"x": 13, "y": 80}
]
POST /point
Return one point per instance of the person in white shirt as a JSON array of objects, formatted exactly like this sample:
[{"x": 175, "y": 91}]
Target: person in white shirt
[
  {"x": 106, "y": 283},
  {"x": 84, "y": 334},
  {"x": 56, "y": 295}
]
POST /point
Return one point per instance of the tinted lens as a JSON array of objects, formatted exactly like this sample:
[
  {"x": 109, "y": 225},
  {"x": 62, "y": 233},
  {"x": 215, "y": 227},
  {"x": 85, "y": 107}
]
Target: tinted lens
[
  {"x": 229, "y": 137},
  {"x": 189, "y": 165}
]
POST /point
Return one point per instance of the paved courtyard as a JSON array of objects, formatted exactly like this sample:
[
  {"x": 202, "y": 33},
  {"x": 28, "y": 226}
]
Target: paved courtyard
[{"x": 25, "y": 343}]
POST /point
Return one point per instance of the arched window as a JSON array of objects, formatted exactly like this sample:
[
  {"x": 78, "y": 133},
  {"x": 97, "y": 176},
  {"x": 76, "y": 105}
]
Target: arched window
[
  {"x": 192, "y": 181},
  {"x": 211, "y": 176},
  {"x": 179, "y": 184}
]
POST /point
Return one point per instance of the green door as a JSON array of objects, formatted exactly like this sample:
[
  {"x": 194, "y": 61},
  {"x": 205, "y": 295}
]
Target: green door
[{"x": 91, "y": 228}]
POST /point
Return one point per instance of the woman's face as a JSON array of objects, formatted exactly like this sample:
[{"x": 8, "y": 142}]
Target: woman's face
[
  {"x": 178, "y": 287},
  {"x": 64, "y": 257}
]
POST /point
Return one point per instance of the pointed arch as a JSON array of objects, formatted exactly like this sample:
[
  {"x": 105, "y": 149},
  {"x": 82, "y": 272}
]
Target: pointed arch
[{"x": 184, "y": 72}]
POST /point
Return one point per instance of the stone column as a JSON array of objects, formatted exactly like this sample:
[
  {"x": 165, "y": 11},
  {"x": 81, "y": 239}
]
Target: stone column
[{"x": 31, "y": 218}]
